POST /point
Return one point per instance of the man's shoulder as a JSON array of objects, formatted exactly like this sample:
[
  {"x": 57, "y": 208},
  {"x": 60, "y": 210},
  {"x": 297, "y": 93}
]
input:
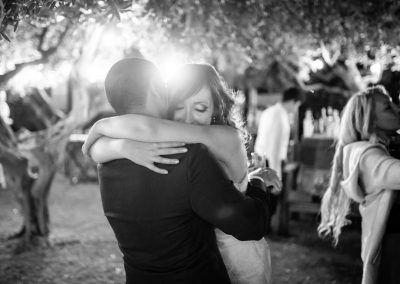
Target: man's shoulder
[
  {"x": 268, "y": 112},
  {"x": 196, "y": 147},
  {"x": 272, "y": 114},
  {"x": 117, "y": 166},
  {"x": 198, "y": 150},
  {"x": 199, "y": 156},
  {"x": 275, "y": 108}
]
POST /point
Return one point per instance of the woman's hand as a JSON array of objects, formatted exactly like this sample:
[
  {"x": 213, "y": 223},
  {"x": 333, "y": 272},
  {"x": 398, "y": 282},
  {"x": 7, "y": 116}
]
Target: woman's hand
[
  {"x": 270, "y": 177},
  {"x": 146, "y": 154}
]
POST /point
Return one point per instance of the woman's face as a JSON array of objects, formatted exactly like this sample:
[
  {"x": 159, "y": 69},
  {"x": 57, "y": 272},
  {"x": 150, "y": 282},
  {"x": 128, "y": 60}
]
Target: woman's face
[
  {"x": 387, "y": 116},
  {"x": 197, "y": 109}
]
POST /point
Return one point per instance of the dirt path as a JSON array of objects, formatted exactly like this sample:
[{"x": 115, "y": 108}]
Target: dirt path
[{"x": 84, "y": 250}]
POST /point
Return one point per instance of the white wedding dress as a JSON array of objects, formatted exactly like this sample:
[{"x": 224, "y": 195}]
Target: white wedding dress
[{"x": 247, "y": 262}]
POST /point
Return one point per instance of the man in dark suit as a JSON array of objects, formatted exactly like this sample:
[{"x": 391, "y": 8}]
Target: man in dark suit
[{"x": 165, "y": 224}]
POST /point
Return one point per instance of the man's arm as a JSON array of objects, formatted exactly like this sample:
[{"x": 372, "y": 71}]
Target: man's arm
[{"x": 215, "y": 199}]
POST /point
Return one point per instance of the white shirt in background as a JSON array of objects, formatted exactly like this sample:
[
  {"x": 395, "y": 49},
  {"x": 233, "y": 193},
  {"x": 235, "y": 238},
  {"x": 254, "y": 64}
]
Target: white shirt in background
[{"x": 273, "y": 136}]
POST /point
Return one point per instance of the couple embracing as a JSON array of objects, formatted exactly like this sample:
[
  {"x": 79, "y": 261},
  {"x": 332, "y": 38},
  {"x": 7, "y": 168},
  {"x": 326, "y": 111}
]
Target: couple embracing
[{"x": 186, "y": 211}]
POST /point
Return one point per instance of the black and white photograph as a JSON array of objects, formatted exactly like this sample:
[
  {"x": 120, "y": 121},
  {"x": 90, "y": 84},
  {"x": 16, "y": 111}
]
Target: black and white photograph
[{"x": 199, "y": 142}]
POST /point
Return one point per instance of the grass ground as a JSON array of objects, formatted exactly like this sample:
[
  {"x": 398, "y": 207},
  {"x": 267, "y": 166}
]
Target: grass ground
[{"x": 83, "y": 248}]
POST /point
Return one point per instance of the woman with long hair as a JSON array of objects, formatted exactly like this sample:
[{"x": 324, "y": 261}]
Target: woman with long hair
[
  {"x": 364, "y": 172},
  {"x": 203, "y": 110}
]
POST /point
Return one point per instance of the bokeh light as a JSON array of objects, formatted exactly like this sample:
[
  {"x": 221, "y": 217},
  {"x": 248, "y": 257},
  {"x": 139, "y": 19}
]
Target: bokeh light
[
  {"x": 97, "y": 70},
  {"x": 169, "y": 63},
  {"x": 317, "y": 64},
  {"x": 376, "y": 68}
]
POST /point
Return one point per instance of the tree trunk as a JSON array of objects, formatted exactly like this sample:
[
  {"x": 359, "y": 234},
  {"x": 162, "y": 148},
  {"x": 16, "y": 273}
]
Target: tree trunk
[
  {"x": 33, "y": 111},
  {"x": 43, "y": 149},
  {"x": 15, "y": 168},
  {"x": 37, "y": 224}
]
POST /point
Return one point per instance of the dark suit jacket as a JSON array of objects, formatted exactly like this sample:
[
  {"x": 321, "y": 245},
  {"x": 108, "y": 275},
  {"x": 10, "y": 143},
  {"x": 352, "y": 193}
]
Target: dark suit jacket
[{"x": 165, "y": 224}]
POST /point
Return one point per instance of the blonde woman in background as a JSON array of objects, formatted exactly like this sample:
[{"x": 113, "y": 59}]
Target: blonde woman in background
[{"x": 363, "y": 171}]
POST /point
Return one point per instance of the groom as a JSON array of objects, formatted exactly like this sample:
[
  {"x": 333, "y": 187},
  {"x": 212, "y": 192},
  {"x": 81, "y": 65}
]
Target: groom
[{"x": 165, "y": 224}]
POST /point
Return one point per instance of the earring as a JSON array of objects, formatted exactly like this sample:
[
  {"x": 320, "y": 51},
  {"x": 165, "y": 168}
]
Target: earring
[{"x": 213, "y": 120}]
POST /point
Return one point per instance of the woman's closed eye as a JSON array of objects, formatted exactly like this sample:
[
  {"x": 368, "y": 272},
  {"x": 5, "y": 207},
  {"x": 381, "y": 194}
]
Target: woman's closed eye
[{"x": 201, "y": 108}]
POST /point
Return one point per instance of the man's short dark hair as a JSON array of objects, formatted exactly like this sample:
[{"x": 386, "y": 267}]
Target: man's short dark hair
[
  {"x": 128, "y": 82},
  {"x": 292, "y": 94}
]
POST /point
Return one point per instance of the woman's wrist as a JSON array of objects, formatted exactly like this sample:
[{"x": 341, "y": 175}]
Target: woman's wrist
[
  {"x": 95, "y": 130},
  {"x": 243, "y": 182},
  {"x": 118, "y": 146}
]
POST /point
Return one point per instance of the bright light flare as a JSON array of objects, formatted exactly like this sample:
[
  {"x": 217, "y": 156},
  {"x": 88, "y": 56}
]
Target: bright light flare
[
  {"x": 38, "y": 76},
  {"x": 59, "y": 18},
  {"x": 375, "y": 68},
  {"x": 97, "y": 70},
  {"x": 64, "y": 69},
  {"x": 317, "y": 64},
  {"x": 169, "y": 64},
  {"x": 29, "y": 76}
]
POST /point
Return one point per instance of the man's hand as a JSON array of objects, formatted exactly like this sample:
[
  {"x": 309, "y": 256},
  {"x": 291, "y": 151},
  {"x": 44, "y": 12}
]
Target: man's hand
[{"x": 270, "y": 178}]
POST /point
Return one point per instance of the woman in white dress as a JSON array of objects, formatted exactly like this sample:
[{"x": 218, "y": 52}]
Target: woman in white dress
[{"x": 204, "y": 111}]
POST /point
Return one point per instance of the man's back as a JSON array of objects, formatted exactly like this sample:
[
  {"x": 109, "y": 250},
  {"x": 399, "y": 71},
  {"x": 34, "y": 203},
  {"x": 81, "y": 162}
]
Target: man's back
[{"x": 161, "y": 237}]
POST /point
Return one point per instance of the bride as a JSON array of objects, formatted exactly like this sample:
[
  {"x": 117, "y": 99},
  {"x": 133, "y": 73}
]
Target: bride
[{"x": 203, "y": 110}]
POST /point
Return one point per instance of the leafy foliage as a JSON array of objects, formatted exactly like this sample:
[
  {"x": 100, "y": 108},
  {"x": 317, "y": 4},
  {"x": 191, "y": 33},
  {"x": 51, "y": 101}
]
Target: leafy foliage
[
  {"x": 45, "y": 12},
  {"x": 253, "y": 31},
  {"x": 257, "y": 26}
]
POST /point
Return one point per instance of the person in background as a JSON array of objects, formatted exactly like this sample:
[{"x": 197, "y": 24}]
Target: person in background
[
  {"x": 274, "y": 129},
  {"x": 363, "y": 171}
]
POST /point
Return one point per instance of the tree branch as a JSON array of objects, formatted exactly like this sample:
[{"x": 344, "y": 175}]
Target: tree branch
[
  {"x": 4, "y": 78},
  {"x": 41, "y": 37},
  {"x": 9, "y": 153},
  {"x": 2, "y": 14},
  {"x": 53, "y": 49},
  {"x": 294, "y": 13},
  {"x": 7, "y": 136}
]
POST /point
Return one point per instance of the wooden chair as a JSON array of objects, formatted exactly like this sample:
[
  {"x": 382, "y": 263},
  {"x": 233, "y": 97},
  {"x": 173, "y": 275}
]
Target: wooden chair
[{"x": 305, "y": 182}]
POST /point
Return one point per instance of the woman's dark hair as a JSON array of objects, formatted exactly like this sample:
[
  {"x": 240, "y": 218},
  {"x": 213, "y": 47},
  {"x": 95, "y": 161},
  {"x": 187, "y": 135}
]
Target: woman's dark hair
[{"x": 191, "y": 78}]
